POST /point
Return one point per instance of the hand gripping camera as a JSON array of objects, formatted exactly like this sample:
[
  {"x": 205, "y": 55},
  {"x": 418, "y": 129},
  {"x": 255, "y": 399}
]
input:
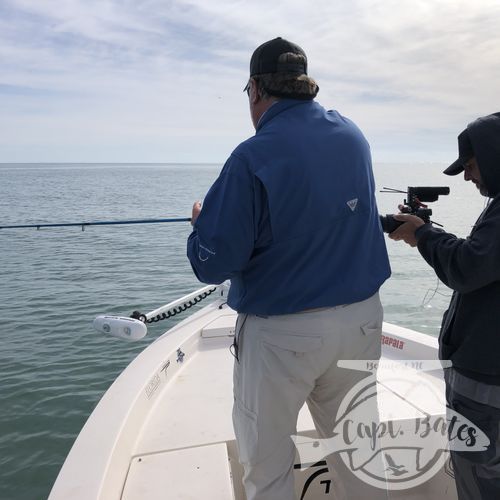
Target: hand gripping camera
[{"x": 413, "y": 205}]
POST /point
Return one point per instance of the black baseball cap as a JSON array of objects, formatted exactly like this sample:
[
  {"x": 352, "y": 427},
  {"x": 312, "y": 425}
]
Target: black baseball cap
[
  {"x": 265, "y": 58},
  {"x": 465, "y": 153}
]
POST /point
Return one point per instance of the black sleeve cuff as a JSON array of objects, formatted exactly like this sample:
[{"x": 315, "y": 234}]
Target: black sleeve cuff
[{"x": 423, "y": 230}]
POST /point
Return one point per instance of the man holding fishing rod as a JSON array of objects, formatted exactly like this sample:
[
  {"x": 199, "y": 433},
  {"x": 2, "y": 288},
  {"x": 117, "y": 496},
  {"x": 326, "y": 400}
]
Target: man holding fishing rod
[
  {"x": 292, "y": 222},
  {"x": 470, "y": 331}
]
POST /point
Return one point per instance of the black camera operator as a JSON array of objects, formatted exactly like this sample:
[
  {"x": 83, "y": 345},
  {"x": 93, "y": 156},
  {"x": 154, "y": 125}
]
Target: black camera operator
[{"x": 470, "y": 331}]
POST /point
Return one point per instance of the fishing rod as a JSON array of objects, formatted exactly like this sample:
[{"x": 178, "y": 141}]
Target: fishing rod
[{"x": 83, "y": 225}]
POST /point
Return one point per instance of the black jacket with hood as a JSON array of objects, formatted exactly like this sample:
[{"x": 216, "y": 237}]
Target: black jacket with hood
[{"x": 470, "y": 331}]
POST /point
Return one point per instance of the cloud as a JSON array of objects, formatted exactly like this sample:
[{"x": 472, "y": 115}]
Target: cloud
[{"x": 116, "y": 79}]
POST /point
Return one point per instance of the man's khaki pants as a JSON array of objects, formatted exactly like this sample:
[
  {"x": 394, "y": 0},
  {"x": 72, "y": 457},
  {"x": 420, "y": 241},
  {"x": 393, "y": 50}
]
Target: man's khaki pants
[{"x": 284, "y": 361}]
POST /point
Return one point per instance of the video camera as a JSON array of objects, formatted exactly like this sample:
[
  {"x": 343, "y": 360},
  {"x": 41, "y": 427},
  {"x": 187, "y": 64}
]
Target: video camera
[{"x": 413, "y": 205}]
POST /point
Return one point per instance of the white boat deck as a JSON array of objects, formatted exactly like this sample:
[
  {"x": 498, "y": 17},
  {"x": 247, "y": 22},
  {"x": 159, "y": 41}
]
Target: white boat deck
[
  {"x": 177, "y": 439},
  {"x": 205, "y": 382}
]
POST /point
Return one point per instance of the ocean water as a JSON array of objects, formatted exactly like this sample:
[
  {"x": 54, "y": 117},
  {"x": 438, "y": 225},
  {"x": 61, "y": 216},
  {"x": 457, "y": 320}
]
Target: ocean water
[{"x": 53, "y": 366}]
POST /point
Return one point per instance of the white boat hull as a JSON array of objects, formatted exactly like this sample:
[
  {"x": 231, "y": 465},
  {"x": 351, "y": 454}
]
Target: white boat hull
[{"x": 164, "y": 430}]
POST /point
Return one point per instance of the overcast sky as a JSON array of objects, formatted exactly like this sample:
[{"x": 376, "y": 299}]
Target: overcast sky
[{"x": 162, "y": 80}]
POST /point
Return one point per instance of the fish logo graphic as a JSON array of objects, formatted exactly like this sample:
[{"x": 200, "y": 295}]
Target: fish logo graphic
[{"x": 397, "y": 470}]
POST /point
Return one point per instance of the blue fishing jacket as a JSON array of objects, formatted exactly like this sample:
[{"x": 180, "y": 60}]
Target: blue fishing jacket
[{"x": 292, "y": 219}]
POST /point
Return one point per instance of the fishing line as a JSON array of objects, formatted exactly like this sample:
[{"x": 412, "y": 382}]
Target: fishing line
[{"x": 425, "y": 301}]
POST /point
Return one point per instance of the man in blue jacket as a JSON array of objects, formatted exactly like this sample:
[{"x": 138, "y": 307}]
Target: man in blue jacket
[
  {"x": 292, "y": 222},
  {"x": 470, "y": 331}
]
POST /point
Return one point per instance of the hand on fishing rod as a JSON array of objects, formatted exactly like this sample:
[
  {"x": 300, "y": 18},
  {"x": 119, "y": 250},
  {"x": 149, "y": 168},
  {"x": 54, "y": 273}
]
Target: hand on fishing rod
[{"x": 196, "y": 211}]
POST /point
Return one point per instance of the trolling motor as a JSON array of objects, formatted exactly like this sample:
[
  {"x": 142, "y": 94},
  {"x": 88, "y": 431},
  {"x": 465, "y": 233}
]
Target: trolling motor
[
  {"x": 121, "y": 326},
  {"x": 135, "y": 327},
  {"x": 413, "y": 205}
]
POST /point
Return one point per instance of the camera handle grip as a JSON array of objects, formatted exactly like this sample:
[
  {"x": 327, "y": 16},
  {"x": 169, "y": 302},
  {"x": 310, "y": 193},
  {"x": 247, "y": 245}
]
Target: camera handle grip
[{"x": 389, "y": 223}]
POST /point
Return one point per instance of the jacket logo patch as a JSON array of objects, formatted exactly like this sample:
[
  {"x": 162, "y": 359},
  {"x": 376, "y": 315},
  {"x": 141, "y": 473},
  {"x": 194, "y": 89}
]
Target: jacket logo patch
[
  {"x": 352, "y": 204},
  {"x": 204, "y": 253}
]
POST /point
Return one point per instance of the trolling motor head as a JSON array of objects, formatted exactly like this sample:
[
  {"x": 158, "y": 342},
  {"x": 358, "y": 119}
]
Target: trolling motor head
[
  {"x": 134, "y": 328},
  {"x": 413, "y": 205},
  {"x": 121, "y": 326}
]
